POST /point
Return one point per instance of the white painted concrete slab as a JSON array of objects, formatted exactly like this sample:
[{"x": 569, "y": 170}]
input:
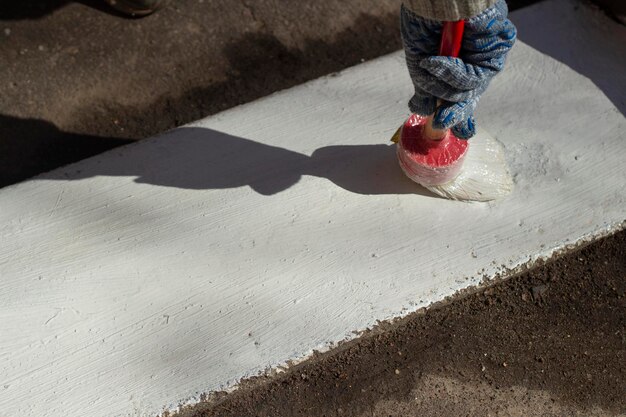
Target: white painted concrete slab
[{"x": 141, "y": 278}]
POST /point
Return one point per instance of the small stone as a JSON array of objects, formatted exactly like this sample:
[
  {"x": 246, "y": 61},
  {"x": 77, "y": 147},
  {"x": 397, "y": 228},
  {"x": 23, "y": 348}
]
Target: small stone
[
  {"x": 539, "y": 291},
  {"x": 397, "y": 372},
  {"x": 7, "y": 31},
  {"x": 41, "y": 48}
]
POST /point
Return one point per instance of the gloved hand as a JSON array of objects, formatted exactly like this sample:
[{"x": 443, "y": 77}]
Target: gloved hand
[{"x": 459, "y": 82}]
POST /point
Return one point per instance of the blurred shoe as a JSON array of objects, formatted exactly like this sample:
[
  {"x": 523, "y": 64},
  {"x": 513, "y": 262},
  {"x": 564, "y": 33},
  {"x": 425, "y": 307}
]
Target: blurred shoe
[{"x": 136, "y": 7}]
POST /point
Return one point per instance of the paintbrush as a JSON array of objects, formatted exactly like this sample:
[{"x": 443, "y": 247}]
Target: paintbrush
[{"x": 454, "y": 168}]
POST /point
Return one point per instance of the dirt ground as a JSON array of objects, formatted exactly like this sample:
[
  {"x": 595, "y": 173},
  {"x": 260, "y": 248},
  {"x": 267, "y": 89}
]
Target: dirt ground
[{"x": 550, "y": 342}]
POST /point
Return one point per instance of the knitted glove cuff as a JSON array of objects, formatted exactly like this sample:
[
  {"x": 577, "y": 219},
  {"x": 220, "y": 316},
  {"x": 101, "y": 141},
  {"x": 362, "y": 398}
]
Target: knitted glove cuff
[{"x": 448, "y": 10}]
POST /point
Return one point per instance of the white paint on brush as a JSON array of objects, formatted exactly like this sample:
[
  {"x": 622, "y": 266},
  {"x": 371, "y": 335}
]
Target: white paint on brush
[{"x": 146, "y": 276}]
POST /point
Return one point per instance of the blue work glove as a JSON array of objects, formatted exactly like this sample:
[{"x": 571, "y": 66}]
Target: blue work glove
[{"x": 459, "y": 82}]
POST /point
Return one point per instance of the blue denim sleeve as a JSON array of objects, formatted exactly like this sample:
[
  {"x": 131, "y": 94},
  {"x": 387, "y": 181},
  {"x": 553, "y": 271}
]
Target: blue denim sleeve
[{"x": 459, "y": 82}]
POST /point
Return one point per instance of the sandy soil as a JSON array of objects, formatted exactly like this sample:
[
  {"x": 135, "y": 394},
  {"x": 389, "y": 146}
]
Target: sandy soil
[{"x": 550, "y": 342}]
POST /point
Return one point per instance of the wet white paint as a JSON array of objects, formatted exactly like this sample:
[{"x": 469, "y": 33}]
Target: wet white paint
[{"x": 139, "y": 279}]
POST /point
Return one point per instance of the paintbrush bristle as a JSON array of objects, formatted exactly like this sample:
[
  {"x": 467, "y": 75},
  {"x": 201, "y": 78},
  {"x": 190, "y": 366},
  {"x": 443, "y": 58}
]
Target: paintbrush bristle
[{"x": 484, "y": 175}]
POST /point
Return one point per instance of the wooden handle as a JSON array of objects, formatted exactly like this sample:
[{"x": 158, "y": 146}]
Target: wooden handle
[{"x": 451, "y": 39}]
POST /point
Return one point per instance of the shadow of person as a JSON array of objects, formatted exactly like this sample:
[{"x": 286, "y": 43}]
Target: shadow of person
[
  {"x": 31, "y": 146},
  {"x": 363, "y": 169},
  {"x": 198, "y": 159}
]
